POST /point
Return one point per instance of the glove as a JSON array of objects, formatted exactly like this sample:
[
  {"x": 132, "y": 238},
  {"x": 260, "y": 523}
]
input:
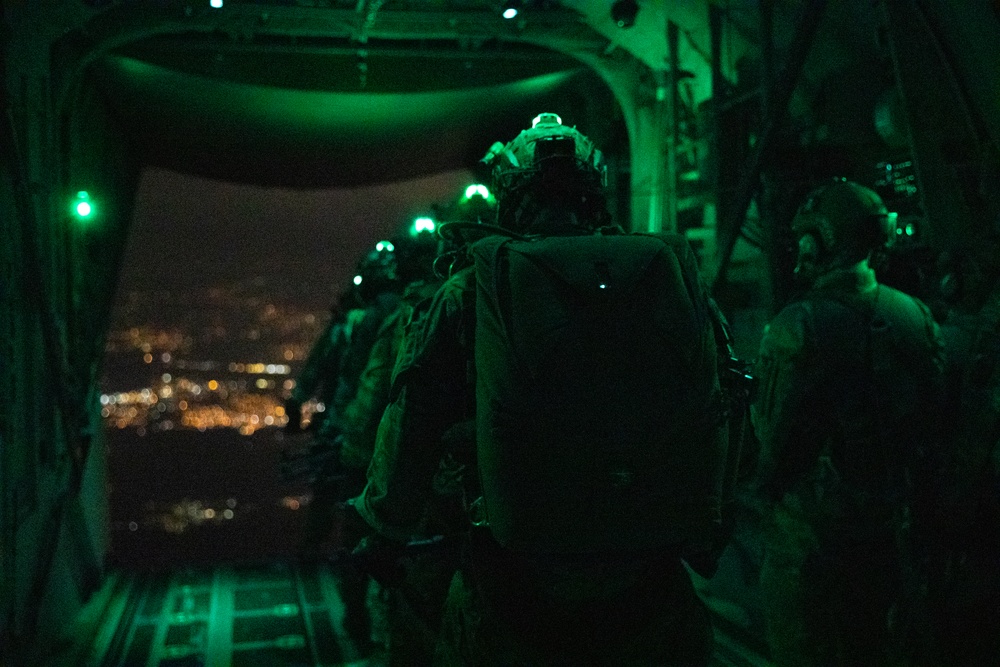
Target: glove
[
  {"x": 375, "y": 555},
  {"x": 293, "y": 410},
  {"x": 381, "y": 559}
]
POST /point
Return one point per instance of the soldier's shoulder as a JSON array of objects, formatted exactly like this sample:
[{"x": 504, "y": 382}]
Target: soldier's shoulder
[
  {"x": 463, "y": 280},
  {"x": 787, "y": 332},
  {"x": 454, "y": 294},
  {"x": 907, "y": 304},
  {"x": 677, "y": 242}
]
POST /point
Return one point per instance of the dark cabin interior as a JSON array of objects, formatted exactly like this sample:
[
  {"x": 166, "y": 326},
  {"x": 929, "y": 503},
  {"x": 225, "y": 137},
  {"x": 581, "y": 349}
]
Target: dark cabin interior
[{"x": 716, "y": 119}]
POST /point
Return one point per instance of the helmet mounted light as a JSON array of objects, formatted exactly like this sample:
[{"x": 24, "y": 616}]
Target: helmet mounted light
[{"x": 547, "y": 119}]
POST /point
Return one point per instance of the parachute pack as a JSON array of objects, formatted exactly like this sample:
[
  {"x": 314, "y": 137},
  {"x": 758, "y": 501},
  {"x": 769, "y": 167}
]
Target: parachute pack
[{"x": 599, "y": 426}]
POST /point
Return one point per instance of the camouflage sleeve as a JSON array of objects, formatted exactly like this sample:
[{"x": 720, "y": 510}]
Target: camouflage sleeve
[
  {"x": 319, "y": 364},
  {"x": 783, "y": 407},
  {"x": 428, "y": 395},
  {"x": 364, "y": 333},
  {"x": 362, "y": 415}
]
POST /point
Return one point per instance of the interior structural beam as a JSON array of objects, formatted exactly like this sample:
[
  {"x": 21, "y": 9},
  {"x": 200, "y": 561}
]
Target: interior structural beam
[
  {"x": 242, "y": 22},
  {"x": 778, "y": 99},
  {"x": 439, "y": 48}
]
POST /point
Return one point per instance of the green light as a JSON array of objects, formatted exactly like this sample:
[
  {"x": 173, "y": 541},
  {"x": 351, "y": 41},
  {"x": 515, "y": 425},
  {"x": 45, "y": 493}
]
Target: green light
[
  {"x": 216, "y": 4},
  {"x": 510, "y": 12},
  {"x": 357, "y": 280},
  {"x": 546, "y": 118},
  {"x": 423, "y": 224},
  {"x": 909, "y": 229},
  {"x": 384, "y": 246},
  {"x": 82, "y": 207},
  {"x": 477, "y": 189}
]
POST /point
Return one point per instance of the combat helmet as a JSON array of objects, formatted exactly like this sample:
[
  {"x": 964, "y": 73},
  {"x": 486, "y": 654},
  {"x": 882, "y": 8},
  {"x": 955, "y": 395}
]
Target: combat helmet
[
  {"x": 378, "y": 271},
  {"x": 415, "y": 253},
  {"x": 848, "y": 222},
  {"x": 549, "y": 161}
]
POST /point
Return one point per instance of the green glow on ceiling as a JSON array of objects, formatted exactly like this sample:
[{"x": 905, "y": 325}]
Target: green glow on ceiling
[{"x": 302, "y": 114}]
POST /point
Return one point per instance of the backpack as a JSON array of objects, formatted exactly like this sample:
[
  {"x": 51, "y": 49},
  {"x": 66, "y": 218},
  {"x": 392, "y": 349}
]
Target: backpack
[{"x": 598, "y": 411}]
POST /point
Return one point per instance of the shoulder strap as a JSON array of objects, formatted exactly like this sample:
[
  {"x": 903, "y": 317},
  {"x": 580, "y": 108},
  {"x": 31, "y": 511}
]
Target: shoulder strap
[{"x": 877, "y": 354}]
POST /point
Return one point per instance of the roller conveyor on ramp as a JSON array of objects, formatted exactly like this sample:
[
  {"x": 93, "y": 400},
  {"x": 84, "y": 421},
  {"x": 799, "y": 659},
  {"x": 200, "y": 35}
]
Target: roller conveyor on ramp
[{"x": 277, "y": 614}]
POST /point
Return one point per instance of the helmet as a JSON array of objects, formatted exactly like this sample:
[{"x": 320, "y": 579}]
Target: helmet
[
  {"x": 549, "y": 160},
  {"x": 477, "y": 204},
  {"x": 378, "y": 271},
  {"x": 848, "y": 221},
  {"x": 415, "y": 255}
]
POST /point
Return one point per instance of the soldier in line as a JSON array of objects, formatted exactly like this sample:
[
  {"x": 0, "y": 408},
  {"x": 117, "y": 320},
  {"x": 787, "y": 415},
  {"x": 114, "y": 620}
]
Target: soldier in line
[
  {"x": 318, "y": 377},
  {"x": 378, "y": 286},
  {"x": 408, "y": 609},
  {"x": 964, "y": 542},
  {"x": 587, "y": 360},
  {"x": 849, "y": 387}
]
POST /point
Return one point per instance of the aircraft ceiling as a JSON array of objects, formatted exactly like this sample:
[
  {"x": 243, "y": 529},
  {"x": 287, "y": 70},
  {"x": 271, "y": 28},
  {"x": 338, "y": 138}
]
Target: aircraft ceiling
[
  {"x": 240, "y": 127},
  {"x": 239, "y": 103}
]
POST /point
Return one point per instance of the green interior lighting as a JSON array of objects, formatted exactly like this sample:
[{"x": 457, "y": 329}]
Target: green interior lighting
[
  {"x": 216, "y": 4},
  {"x": 82, "y": 206},
  {"x": 357, "y": 280},
  {"x": 423, "y": 224},
  {"x": 384, "y": 245}
]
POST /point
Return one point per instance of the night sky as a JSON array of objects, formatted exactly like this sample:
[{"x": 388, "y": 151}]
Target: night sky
[{"x": 191, "y": 232}]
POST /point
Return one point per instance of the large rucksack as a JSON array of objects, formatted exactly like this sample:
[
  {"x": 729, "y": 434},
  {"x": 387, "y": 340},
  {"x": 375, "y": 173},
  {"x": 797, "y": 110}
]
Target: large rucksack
[{"x": 599, "y": 425}]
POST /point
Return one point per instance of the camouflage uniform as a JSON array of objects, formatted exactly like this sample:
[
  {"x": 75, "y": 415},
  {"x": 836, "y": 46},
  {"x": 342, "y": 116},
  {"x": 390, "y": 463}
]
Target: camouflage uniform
[
  {"x": 412, "y": 620},
  {"x": 502, "y": 608},
  {"x": 334, "y": 482},
  {"x": 844, "y": 417},
  {"x": 964, "y": 541},
  {"x": 358, "y": 334},
  {"x": 318, "y": 377}
]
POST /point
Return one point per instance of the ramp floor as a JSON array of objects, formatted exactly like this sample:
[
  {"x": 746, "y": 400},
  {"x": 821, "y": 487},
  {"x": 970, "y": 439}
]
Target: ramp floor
[{"x": 278, "y": 614}]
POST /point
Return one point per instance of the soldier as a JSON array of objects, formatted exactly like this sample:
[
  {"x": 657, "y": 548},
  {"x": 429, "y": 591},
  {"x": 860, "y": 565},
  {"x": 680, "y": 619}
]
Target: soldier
[
  {"x": 586, "y": 359},
  {"x": 849, "y": 377},
  {"x": 361, "y": 414},
  {"x": 965, "y": 542},
  {"x": 409, "y": 611},
  {"x": 318, "y": 377},
  {"x": 377, "y": 285}
]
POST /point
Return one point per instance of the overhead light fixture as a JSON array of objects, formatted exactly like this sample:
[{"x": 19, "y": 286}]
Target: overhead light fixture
[
  {"x": 510, "y": 9},
  {"x": 623, "y": 13}
]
